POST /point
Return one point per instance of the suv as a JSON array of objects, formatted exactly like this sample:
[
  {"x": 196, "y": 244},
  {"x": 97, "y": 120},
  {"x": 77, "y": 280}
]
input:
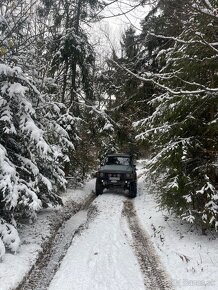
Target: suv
[{"x": 117, "y": 170}]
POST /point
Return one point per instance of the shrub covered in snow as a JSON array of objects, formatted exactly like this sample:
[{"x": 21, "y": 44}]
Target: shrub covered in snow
[{"x": 9, "y": 238}]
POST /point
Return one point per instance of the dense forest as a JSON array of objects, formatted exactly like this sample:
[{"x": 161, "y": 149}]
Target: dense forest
[{"x": 60, "y": 112}]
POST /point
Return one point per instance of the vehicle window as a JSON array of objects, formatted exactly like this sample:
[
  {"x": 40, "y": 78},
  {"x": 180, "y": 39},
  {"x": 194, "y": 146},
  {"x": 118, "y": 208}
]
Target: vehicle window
[
  {"x": 113, "y": 160},
  {"x": 124, "y": 160}
]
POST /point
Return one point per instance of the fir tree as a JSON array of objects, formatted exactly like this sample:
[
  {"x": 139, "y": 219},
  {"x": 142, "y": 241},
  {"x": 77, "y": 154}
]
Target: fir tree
[
  {"x": 182, "y": 128},
  {"x": 34, "y": 141}
]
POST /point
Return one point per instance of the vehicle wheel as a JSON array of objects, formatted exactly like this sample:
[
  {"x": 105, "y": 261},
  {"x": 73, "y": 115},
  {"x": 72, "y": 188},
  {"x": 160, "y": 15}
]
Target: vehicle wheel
[
  {"x": 98, "y": 187},
  {"x": 133, "y": 189}
]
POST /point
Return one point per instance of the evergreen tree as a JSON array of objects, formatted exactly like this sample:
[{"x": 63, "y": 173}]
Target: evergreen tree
[
  {"x": 182, "y": 128},
  {"x": 72, "y": 64},
  {"x": 124, "y": 92},
  {"x": 33, "y": 146},
  {"x": 34, "y": 141}
]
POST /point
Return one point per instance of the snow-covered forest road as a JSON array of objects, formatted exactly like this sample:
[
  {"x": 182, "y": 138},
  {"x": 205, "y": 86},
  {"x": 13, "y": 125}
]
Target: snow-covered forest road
[
  {"x": 110, "y": 242},
  {"x": 109, "y": 250}
]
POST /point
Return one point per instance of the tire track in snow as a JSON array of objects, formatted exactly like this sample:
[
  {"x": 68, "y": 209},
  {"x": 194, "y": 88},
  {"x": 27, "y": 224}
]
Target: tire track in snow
[
  {"x": 155, "y": 277},
  {"x": 50, "y": 259}
]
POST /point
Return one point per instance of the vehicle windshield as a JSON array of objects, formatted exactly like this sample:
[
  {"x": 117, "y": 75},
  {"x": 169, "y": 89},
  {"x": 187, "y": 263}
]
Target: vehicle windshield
[{"x": 117, "y": 160}]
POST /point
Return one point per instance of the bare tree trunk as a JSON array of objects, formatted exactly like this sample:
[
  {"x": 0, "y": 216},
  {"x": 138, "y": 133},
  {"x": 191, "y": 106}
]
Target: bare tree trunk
[{"x": 65, "y": 81}]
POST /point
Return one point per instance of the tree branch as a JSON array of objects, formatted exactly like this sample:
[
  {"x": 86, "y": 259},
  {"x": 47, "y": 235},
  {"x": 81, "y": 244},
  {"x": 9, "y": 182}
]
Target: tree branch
[{"x": 150, "y": 79}]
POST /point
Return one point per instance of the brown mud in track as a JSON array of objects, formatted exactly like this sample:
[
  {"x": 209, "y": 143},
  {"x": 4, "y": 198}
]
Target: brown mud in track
[
  {"x": 155, "y": 277},
  {"x": 55, "y": 249}
]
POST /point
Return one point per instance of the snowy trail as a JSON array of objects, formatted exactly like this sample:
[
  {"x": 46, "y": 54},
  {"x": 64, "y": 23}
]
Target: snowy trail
[
  {"x": 113, "y": 253},
  {"x": 101, "y": 247},
  {"x": 101, "y": 257}
]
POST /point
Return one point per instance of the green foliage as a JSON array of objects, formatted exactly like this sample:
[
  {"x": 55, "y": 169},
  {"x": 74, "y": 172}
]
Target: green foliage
[{"x": 124, "y": 92}]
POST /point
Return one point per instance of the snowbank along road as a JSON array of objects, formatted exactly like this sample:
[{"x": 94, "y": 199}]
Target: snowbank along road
[{"x": 102, "y": 247}]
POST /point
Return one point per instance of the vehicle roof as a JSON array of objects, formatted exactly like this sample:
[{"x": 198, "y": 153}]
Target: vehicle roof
[{"x": 119, "y": 154}]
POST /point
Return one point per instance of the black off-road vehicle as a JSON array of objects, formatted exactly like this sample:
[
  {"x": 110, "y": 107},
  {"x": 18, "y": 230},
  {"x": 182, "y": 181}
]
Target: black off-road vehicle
[{"x": 117, "y": 170}]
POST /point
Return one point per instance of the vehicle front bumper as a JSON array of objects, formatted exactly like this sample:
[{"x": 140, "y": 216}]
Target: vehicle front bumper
[{"x": 119, "y": 183}]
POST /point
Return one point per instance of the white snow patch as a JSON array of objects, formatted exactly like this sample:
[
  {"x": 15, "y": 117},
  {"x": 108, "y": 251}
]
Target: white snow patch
[
  {"x": 17, "y": 88},
  {"x": 2, "y": 250},
  {"x": 81, "y": 194}
]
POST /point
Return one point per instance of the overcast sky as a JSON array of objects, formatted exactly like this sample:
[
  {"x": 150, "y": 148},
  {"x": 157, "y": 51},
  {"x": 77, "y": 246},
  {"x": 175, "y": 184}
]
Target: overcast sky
[{"x": 107, "y": 33}]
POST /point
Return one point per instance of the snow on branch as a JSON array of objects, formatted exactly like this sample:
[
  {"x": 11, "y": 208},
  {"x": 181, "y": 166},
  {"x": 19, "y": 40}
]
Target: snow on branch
[
  {"x": 207, "y": 8},
  {"x": 151, "y": 78},
  {"x": 182, "y": 41},
  {"x": 102, "y": 113}
]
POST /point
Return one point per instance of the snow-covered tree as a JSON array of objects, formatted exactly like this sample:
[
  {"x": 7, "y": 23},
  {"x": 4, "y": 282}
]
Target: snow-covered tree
[
  {"x": 34, "y": 126},
  {"x": 33, "y": 146},
  {"x": 183, "y": 127}
]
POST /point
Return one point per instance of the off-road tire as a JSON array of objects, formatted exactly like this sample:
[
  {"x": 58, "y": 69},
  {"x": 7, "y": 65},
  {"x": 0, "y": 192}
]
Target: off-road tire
[
  {"x": 133, "y": 189},
  {"x": 98, "y": 187}
]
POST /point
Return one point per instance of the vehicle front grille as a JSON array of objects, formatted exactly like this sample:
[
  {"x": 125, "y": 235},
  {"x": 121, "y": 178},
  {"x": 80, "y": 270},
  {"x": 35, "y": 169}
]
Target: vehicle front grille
[
  {"x": 115, "y": 175},
  {"x": 120, "y": 175}
]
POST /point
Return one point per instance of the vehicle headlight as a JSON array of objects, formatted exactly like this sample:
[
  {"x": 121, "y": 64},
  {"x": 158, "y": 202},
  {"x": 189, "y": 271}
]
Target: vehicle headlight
[
  {"x": 101, "y": 174},
  {"x": 128, "y": 175}
]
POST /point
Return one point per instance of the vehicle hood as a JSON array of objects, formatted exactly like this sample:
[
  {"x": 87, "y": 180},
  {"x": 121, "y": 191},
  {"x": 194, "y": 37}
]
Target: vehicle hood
[{"x": 116, "y": 169}]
